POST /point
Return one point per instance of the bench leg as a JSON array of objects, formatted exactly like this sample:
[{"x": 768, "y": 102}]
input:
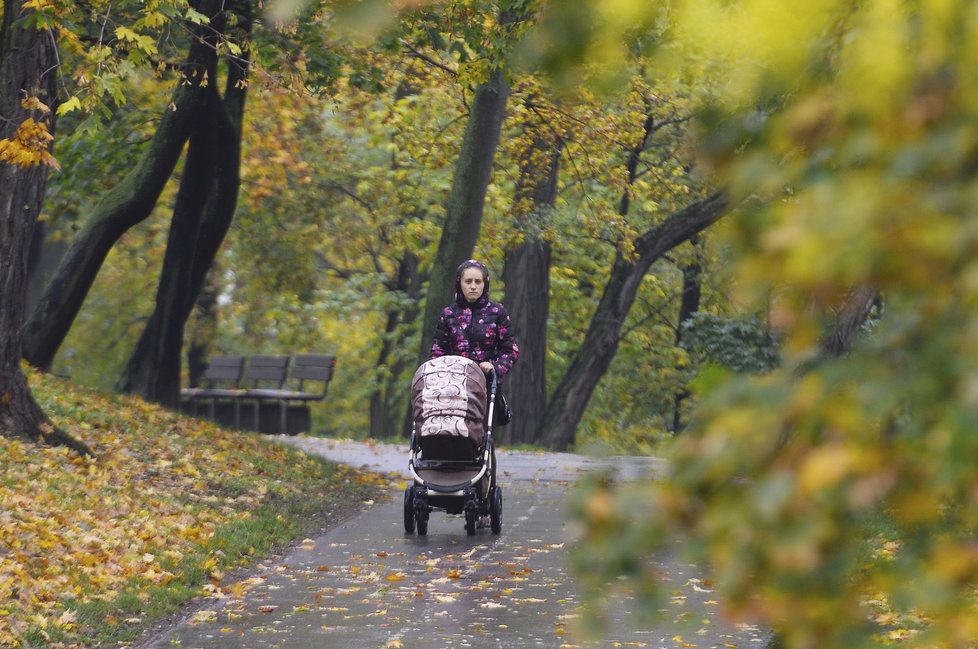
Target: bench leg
[
  {"x": 211, "y": 409},
  {"x": 283, "y": 425},
  {"x": 237, "y": 414}
]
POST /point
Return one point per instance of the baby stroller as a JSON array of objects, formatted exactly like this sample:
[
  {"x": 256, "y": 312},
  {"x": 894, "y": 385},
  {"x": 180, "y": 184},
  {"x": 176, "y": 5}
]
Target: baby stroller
[{"x": 452, "y": 460}]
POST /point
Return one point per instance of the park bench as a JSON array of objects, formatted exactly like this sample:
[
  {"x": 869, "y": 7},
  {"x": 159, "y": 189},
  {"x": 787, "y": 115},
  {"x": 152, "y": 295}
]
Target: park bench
[
  {"x": 223, "y": 378},
  {"x": 266, "y": 379},
  {"x": 276, "y": 371}
]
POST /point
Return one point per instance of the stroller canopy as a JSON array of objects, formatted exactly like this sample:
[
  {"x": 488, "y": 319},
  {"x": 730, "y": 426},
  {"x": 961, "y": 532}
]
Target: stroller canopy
[{"x": 448, "y": 398}]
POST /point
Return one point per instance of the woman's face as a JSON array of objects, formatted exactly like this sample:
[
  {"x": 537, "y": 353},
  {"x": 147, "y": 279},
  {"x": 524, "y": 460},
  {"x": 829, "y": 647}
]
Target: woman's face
[{"x": 472, "y": 284}]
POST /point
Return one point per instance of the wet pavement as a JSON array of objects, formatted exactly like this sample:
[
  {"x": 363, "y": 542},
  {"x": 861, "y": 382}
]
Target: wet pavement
[{"x": 365, "y": 584}]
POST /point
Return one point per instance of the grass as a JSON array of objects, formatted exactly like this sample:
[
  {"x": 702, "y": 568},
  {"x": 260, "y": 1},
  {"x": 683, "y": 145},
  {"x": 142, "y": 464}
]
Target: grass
[{"x": 94, "y": 551}]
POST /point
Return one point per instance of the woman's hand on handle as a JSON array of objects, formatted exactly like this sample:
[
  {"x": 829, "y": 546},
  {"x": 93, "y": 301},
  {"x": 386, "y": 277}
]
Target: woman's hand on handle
[{"x": 486, "y": 367}]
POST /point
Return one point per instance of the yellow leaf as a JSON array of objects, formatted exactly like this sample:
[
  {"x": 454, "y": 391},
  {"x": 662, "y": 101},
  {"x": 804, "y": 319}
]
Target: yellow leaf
[{"x": 33, "y": 103}]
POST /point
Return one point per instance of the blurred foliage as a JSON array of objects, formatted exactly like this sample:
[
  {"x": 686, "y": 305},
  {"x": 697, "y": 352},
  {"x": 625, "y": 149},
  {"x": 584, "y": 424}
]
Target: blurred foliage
[{"x": 835, "y": 500}]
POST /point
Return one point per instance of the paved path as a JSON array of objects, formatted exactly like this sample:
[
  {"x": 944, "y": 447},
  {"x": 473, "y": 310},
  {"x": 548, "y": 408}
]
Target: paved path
[{"x": 365, "y": 584}]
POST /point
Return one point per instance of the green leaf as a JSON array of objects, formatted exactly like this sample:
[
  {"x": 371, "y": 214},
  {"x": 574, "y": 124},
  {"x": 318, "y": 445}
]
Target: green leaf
[{"x": 67, "y": 106}]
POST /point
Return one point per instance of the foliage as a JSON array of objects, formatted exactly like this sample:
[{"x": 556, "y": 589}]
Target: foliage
[
  {"x": 165, "y": 507},
  {"x": 31, "y": 140},
  {"x": 740, "y": 345},
  {"x": 835, "y": 499}
]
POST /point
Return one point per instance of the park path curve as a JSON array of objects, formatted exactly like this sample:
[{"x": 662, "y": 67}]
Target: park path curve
[{"x": 367, "y": 585}]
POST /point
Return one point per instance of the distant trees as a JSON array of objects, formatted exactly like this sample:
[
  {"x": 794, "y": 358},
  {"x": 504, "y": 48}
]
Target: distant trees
[{"x": 391, "y": 201}]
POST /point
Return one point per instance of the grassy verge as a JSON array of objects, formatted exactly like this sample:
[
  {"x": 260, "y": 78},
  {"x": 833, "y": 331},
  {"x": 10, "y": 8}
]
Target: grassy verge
[{"x": 93, "y": 551}]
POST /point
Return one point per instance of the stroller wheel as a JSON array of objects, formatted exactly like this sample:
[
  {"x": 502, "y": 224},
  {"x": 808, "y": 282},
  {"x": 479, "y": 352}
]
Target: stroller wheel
[
  {"x": 496, "y": 510},
  {"x": 409, "y": 510},
  {"x": 422, "y": 520}
]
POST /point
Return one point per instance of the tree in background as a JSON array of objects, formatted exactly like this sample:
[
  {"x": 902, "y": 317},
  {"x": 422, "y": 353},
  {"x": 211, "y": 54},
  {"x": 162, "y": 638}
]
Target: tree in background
[
  {"x": 131, "y": 200},
  {"x": 203, "y": 211},
  {"x": 464, "y": 209},
  {"x": 526, "y": 266}
]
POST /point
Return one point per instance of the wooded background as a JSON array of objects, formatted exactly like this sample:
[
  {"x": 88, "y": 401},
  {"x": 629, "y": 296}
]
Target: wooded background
[
  {"x": 744, "y": 228},
  {"x": 322, "y": 213}
]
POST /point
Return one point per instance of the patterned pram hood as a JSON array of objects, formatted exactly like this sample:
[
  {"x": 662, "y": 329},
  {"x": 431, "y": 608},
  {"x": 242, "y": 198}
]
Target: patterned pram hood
[{"x": 448, "y": 397}]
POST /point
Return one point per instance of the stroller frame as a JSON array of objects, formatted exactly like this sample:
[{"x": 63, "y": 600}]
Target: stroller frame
[{"x": 437, "y": 487}]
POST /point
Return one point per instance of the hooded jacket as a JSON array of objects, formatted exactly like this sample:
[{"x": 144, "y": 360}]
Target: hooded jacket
[{"x": 481, "y": 331}]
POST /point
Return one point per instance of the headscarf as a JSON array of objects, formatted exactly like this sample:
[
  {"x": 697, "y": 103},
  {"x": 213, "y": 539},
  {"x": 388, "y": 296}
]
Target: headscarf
[{"x": 460, "y": 297}]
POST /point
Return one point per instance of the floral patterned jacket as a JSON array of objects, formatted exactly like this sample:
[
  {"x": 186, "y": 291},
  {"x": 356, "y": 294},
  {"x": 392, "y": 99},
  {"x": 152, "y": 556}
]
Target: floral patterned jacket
[{"x": 481, "y": 331}]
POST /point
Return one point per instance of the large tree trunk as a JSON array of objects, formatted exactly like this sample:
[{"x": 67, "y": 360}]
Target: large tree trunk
[
  {"x": 28, "y": 64},
  {"x": 153, "y": 370},
  {"x": 465, "y": 205},
  {"x": 122, "y": 207},
  {"x": 591, "y": 362},
  {"x": 526, "y": 272},
  {"x": 202, "y": 214},
  {"x": 218, "y": 216},
  {"x": 689, "y": 304}
]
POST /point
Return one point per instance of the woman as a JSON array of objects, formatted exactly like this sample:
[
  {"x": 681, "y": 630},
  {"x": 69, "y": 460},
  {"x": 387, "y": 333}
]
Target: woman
[{"x": 476, "y": 327}]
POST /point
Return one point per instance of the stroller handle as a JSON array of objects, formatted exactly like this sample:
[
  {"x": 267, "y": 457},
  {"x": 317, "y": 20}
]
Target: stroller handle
[{"x": 493, "y": 382}]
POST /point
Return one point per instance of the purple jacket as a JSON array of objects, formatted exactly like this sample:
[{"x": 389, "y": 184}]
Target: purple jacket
[{"x": 480, "y": 331}]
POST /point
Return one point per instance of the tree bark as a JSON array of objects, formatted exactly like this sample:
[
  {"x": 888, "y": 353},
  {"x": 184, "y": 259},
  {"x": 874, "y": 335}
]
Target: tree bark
[
  {"x": 465, "y": 205},
  {"x": 526, "y": 273},
  {"x": 850, "y": 318},
  {"x": 388, "y": 397},
  {"x": 199, "y": 339},
  {"x": 203, "y": 212},
  {"x": 591, "y": 362},
  {"x": 689, "y": 304},
  {"x": 127, "y": 204},
  {"x": 28, "y": 65},
  {"x": 153, "y": 370}
]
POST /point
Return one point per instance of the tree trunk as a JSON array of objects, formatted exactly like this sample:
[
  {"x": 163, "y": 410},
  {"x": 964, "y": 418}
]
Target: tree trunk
[
  {"x": 34, "y": 269},
  {"x": 28, "y": 64},
  {"x": 689, "y": 304},
  {"x": 465, "y": 205},
  {"x": 570, "y": 399},
  {"x": 153, "y": 370},
  {"x": 387, "y": 399},
  {"x": 122, "y": 207},
  {"x": 203, "y": 212},
  {"x": 201, "y": 336},
  {"x": 850, "y": 318},
  {"x": 526, "y": 273}
]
